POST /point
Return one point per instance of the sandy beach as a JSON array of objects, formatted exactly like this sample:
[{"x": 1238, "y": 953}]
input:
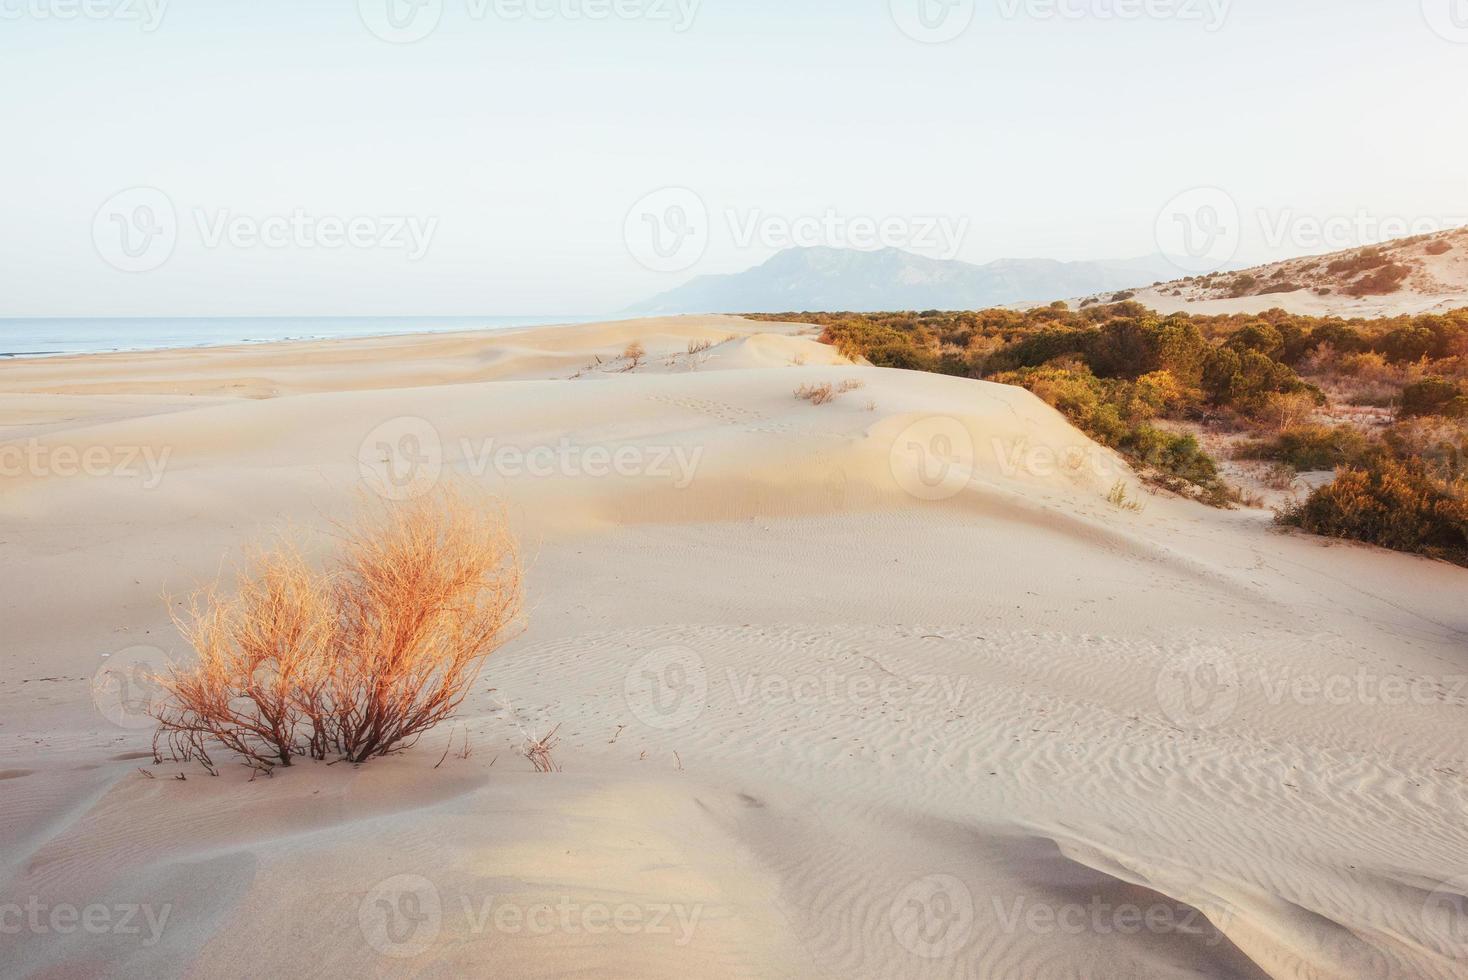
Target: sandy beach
[{"x": 879, "y": 687}]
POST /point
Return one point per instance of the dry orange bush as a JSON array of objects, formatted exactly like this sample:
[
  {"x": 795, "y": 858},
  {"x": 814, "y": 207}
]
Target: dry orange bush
[{"x": 359, "y": 660}]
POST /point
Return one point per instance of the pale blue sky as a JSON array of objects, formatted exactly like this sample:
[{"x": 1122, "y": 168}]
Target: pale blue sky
[{"x": 523, "y": 143}]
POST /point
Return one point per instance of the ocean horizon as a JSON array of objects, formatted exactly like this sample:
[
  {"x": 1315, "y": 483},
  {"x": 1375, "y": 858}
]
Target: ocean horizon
[{"x": 55, "y": 336}]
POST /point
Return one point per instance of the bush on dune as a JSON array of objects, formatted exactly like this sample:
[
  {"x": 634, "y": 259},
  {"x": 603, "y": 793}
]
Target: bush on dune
[
  {"x": 1118, "y": 413},
  {"x": 1309, "y": 447},
  {"x": 1392, "y": 502},
  {"x": 1118, "y": 370},
  {"x": 1435, "y": 396},
  {"x": 358, "y": 660}
]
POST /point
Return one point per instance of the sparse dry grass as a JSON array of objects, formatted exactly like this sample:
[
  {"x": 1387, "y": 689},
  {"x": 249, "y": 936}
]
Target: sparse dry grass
[
  {"x": 358, "y": 660},
  {"x": 1119, "y": 498},
  {"x": 820, "y": 394},
  {"x": 816, "y": 394}
]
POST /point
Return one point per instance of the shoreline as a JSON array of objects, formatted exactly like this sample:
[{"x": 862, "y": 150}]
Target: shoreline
[{"x": 521, "y": 323}]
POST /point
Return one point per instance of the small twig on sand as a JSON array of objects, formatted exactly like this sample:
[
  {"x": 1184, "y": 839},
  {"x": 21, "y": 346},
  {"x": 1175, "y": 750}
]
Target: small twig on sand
[
  {"x": 445, "y": 751},
  {"x": 539, "y": 753}
]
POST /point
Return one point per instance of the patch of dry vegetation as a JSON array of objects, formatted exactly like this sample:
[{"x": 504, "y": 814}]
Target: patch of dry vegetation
[
  {"x": 820, "y": 394},
  {"x": 357, "y": 660}
]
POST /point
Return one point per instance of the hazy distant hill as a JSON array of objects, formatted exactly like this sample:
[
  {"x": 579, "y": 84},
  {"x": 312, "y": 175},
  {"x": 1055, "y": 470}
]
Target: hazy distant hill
[{"x": 891, "y": 279}]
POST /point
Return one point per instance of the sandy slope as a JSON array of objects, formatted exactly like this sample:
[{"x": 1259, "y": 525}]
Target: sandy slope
[
  {"x": 879, "y": 688},
  {"x": 1437, "y": 283}
]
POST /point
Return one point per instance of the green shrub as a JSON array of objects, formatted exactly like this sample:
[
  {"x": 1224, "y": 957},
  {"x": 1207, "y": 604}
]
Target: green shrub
[
  {"x": 1309, "y": 447},
  {"x": 1175, "y": 455},
  {"x": 1362, "y": 261},
  {"x": 1244, "y": 380},
  {"x": 1405, "y": 344},
  {"x": 1260, "y": 337},
  {"x": 1434, "y": 396},
  {"x": 1393, "y": 503},
  {"x": 1242, "y": 285},
  {"x": 1387, "y": 279}
]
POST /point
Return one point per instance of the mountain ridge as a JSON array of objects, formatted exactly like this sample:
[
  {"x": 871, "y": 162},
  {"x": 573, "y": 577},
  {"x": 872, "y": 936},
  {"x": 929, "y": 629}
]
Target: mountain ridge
[{"x": 825, "y": 278}]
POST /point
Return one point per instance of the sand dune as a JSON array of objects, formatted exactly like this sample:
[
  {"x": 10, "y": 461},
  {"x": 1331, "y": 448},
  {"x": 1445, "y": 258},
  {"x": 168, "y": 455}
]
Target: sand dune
[
  {"x": 1436, "y": 281},
  {"x": 882, "y": 687}
]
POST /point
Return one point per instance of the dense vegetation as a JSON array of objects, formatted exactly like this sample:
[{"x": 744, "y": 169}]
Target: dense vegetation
[{"x": 1137, "y": 382}]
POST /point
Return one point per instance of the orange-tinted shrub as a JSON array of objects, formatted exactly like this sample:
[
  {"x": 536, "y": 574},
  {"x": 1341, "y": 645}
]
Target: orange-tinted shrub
[{"x": 358, "y": 660}]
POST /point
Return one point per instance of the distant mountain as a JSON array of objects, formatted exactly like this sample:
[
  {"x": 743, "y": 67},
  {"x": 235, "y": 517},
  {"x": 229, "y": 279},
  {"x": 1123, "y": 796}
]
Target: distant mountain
[{"x": 891, "y": 279}]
